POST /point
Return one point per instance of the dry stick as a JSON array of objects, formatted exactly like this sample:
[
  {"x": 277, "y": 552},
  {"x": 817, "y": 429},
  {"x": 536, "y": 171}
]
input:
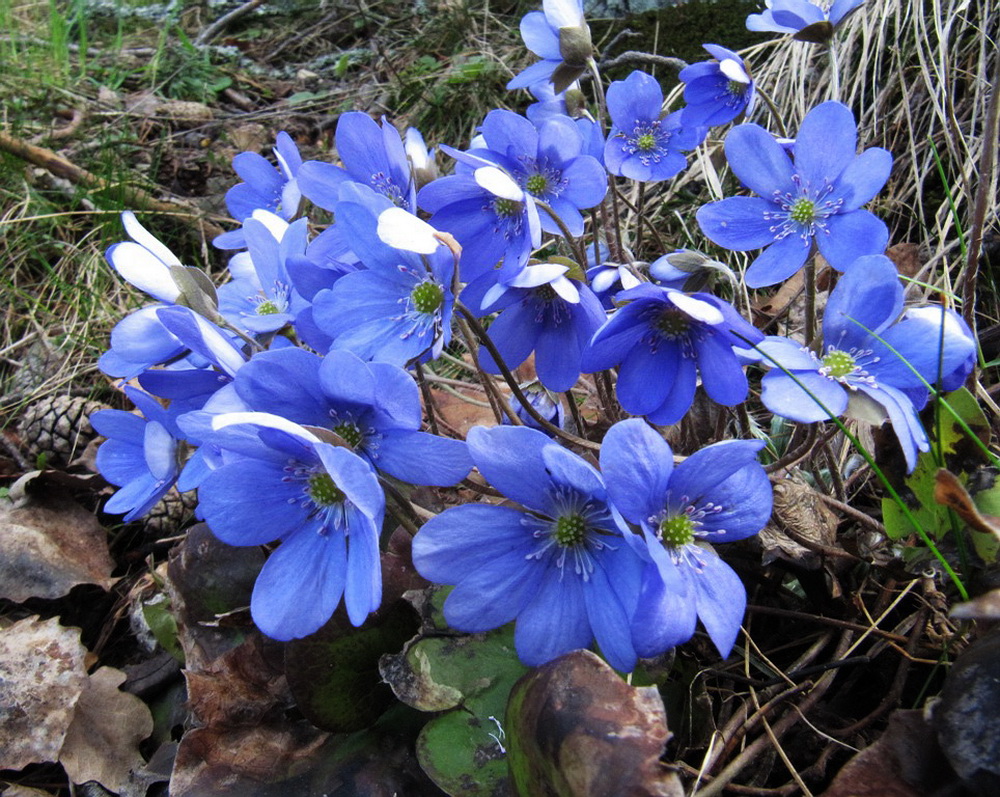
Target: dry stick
[
  {"x": 797, "y": 455},
  {"x": 428, "y": 399},
  {"x": 987, "y": 161},
  {"x": 754, "y": 749},
  {"x": 497, "y": 402},
  {"x": 224, "y": 21},
  {"x": 134, "y": 197}
]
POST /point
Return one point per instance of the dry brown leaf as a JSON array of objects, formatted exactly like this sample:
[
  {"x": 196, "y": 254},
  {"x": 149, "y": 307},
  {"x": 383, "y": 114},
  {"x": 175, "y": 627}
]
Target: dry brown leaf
[
  {"x": 48, "y": 546},
  {"x": 246, "y": 738},
  {"x": 949, "y": 492},
  {"x": 576, "y": 728},
  {"x": 102, "y": 742},
  {"x": 42, "y": 676},
  {"x": 806, "y": 527}
]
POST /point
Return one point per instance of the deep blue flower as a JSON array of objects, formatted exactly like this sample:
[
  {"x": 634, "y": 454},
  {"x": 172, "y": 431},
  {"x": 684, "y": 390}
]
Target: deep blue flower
[
  {"x": 548, "y": 162},
  {"x": 261, "y": 297},
  {"x": 397, "y": 309},
  {"x": 644, "y": 143},
  {"x": 373, "y": 407},
  {"x": 544, "y": 312},
  {"x": 662, "y": 339},
  {"x": 543, "y": 402},
  {"x": 141, "y": 455},
  {"x": 322, "y": 501},
  {"x": 815, "y": 200},
  {"x": 559, "y": 566},
  {"x": 608, "y": 278},
  {"x": 807, "y": 20},
  {"x": 491, "y": 216},
  {"x": 373, "y": 155},
  {"x": 264, "y": 187},
  {"x": 719, "y": 494},
  {"x": 560, "y": 36},
  {"x": 716, "y": 91},
  {"x": 872, "y": 363}
]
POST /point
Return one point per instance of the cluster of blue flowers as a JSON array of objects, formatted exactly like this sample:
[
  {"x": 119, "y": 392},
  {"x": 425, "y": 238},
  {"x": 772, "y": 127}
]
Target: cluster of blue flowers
[{"x": 287, "y": 396}]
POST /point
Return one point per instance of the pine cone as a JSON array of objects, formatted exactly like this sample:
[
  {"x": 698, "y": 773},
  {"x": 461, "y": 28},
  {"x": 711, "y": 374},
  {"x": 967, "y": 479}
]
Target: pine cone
[
  {"x": 170, "y": 512},
  {"x": 58, "y": 428}
]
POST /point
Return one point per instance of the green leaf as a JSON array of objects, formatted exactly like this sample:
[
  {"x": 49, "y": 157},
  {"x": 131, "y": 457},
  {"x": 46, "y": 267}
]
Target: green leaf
[
  {"x": 961, "y": 456},
  {"x": 469, "y": 677},
  {"x": 156, "y": 613}
]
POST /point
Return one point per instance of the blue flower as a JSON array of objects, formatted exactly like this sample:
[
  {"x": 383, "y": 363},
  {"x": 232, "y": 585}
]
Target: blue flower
[
  {"x": 264, "y": 188},
  {"x": 815, "y": 200},
  {"x": 870, "y": 365},
  {"x": 398, "y": 309},
  {"x": 492, "y": 217},
  {"x": 662, "y": 339},
  {"x": 808, "y": 21},
  {"x": 559, "y": 566},
  {"x": 373, "y": 407},
  {"x": 560, "y": 36},
  {"x": 719, "y": 494},
  {"x": 548, "y": 162},
  {"x": 322, "y": 501},
  {"x": 544, "y": 312},
  {"x": 261, "y": 298},
  {"x": 141, "y": 454},
  {"x": 372, "y": 154},
  {"x": 716, "y": 91},
  {"x": 645, "y": 144},
  {"x": 543, "y": 402}
]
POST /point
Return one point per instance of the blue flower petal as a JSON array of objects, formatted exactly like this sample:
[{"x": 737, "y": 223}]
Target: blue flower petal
[
  {"x": 226, "y": 501},
  {"x": 637, "y": 464},
  {"x": 850, "y": 236},
  {"x": 826, "y": 144},
  {"x": 422, "y": 458},
  {"x": 363, "y": 588},
  {"x": 664, "y": 618},
  {"x": 783, "y": 396},
  {"x": 510, "y": 458},
  {"x": 867, "y": 298},
  {"x": 300, "y": 585},
  {"x": 554, "y": 622},
  {"x": 738, "y": 222},
  {"x": 678, "y": 401},
  {"x": 779, "y": 261},
  {"x": 495, "y": 593},
  {"x": 721, "y": 599},
  {"x": 646, "y": 376},
  {"x": 760, "y": 162},
  {"x": 462, "y": 539}
]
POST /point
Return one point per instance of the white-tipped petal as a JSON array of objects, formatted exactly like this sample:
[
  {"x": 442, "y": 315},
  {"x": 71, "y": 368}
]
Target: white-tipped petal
[
  {"x": 733, "y": 70},
  {"x": 563, "y": 13},
  {"x": 400, "y": 229},
  {"x": 274, "y": 223},
  {"x": 566, "y": 289},
  {"x": 265, "y": 419},
  {"x": 696, "y": 308},
  {"x": 145, "y": 239},
  {"x": 533, "y": 276},
  {"x": 142, "y": 268},
  {"x": 498, "y": 183}
]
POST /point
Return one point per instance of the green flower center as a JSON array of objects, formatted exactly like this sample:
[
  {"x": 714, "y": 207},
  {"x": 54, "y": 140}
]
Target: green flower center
[
  {"x": 349, "y": 433},
  {"x": 677, "y": 531},
  {"x": 839, "y": 364},
  {"x": 537, "y": 184},
  {"x": 506, "y": 208},
  {"x": 427, "y": 297},
  {"x": 803, "y": 211},
  {"x": 267, "y": 307},
  {"x": 646, "y": 142},
  {"x": 323, "y": 491},
  {"x": 673, "y": 323},
  {"x": 570, "y": 530},
  {"x": 545, "y": 293},
  {"x": 736, "y": 88}
]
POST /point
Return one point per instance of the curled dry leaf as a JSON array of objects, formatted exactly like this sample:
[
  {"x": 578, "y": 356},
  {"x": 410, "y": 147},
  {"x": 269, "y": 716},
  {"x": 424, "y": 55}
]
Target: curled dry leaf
[
  {"x": 48, "y": 546},
  {"x": 102, "y": 742},
  {"x": 42, "y": 676},
  {"x": 949, "y": 492},
  {"x": 576, "y": 728}
]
